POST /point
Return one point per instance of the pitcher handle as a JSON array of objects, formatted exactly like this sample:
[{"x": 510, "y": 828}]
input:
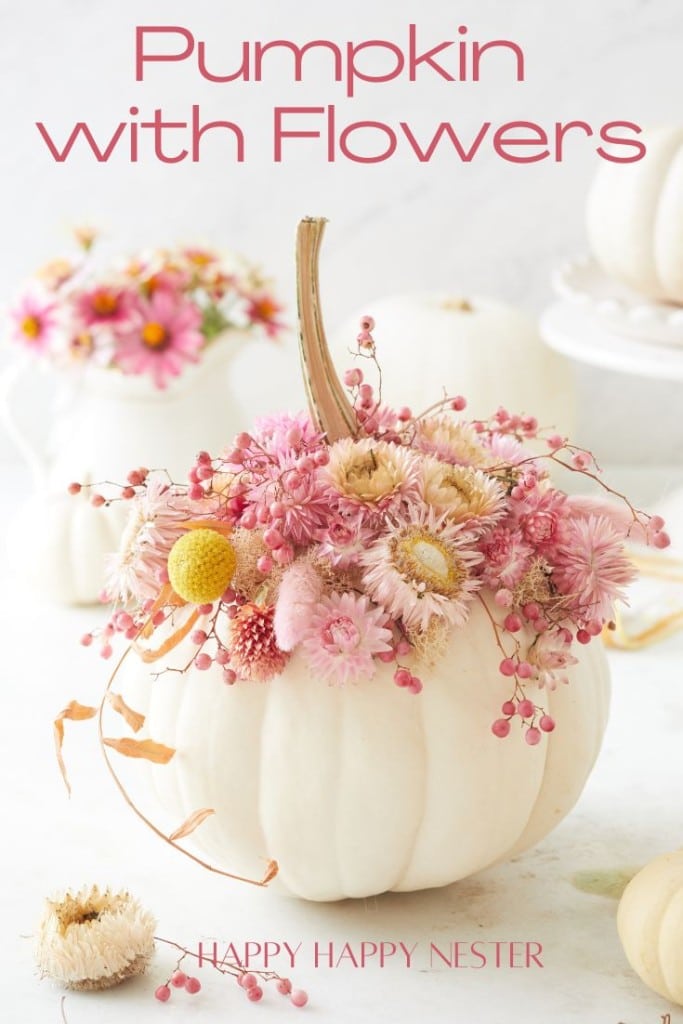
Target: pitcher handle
[{"x": 35, "y": 459}]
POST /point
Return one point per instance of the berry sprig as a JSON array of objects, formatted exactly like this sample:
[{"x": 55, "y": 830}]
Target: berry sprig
[{"x": 251, "y": 982}]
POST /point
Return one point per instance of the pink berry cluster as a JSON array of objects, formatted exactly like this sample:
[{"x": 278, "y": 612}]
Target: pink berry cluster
[
  {"x": 135, "y": 479},
  {"x": 178, "y": 980},
  {"x": 250, "y": 982}
]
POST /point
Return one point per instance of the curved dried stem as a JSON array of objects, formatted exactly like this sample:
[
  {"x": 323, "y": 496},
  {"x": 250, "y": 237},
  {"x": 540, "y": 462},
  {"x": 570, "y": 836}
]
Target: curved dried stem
[
  {"x": 330, "y": 408},
  {"x": 136, "y": 810}
]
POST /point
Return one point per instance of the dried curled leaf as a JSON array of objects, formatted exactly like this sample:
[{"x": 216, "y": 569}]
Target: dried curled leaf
[
  {"x": 148, "y": 750},
  {"x": 148, "y": 656},
  {"x": 132, "y": 718},
  {"x": 191, "y": 823},
  {"x": 73, "y": 712},
  {"x": 271, "y": 872}
]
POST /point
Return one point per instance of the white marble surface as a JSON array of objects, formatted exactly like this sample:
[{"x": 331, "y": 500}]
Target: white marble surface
[
  {"x": 488, "y": 227},
  {"x": 629, "y": 812}
]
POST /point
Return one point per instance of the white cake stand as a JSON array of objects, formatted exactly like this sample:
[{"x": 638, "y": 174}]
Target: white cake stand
[{"x": 576, "y": 332}]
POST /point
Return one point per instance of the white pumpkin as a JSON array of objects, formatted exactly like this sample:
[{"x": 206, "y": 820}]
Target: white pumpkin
[
  {"x": 362, "y": 789},
  {"x": 635, "y": 217},
  {"x": 650, "y": 925},
  {"x": 486, "y": 350},
  {"x": 58, "y": 543}
]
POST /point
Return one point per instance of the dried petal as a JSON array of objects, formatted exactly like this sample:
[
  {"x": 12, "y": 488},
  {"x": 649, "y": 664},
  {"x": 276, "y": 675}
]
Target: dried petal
[
  {"x": 148, "y": 750},
  {"x": 271, "y": 872},
  {"x": 73, "y": 712},
  {"x": 132, "y": 718},
  {"x": 191, "y": 823}
]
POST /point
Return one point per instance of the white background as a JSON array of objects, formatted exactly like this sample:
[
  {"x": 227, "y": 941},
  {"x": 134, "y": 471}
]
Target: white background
[{"x": 490, "y": 227}]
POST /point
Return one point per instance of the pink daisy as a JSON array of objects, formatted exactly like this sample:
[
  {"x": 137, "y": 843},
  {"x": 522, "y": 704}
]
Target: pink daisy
[
  {"x": 104, "y": 305},
  {"x": 423, "y": 568},
  {"x": 35, "y": 322},
  {"x": 264, "y": 311},
  {"x": 343, "y": 637},
  {"x": 161, "y": 339},
  {"x": 591, "y": 568}
]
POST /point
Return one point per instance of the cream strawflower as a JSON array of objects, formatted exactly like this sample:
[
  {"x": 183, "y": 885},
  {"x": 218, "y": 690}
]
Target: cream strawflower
[
  {"x": 423, "y": 569},
  {"x": 462, "y": 493},
  {"x": 371, "y": 475},
  {"x": 93, "y": 940},
  {"x": 450, "y": 440}
]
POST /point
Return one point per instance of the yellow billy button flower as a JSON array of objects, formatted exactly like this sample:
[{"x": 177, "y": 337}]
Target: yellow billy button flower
[{"x": 201, "y": 565}]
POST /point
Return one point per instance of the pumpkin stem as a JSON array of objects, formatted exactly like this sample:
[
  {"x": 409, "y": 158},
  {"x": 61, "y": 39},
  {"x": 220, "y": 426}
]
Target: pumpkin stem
[{"x": 330, "y": 409}]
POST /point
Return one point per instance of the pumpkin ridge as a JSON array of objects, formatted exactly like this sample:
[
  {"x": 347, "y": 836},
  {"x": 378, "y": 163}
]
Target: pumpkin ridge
[
  {"x": 423, "y": 803},
  {"x": 657, "y": 215}
]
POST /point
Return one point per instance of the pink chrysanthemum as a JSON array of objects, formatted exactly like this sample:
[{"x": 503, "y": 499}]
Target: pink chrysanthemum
[
  {"x": 423, "y": 568},
  {"x": 550, "y": 655},
  {"x": 35, "y": 322},
  {"x": 283, "y": 434},
  {"x": 506, "y": 557},
  {"x": 343, "y": 636},
  {"x": 157, "y": 519},
  {"x": 254, "y": 653},
  {"x": 162, "y": 338},
  {"x": 344, "y": 538},
  {"x": 371, "y": 476},
  {"x": 591, "y": 568},
  {"x": 104, "y": 305}
]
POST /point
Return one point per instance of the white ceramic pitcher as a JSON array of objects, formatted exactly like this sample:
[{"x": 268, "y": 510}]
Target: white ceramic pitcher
[{"x": 104, "y": 424}]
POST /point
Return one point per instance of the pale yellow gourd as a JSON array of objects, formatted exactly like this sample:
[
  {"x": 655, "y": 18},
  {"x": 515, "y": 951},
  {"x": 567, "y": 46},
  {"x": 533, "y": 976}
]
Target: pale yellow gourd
[
  {"x": 635, "y": 217},
  {"x": 650, "y": 925}
]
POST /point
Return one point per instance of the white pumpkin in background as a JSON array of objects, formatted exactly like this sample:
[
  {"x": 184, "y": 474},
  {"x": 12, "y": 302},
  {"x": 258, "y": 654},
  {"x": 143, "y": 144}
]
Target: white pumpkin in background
[
  {"x": 650, "y": 925},
  {"x": 635, "y": 217},
  {"x": 490, "y": 352},
  {"x": 361, "y": 789}
]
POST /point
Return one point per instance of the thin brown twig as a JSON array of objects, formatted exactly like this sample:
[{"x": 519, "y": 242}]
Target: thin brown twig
[{"x": 136, "y": 810}]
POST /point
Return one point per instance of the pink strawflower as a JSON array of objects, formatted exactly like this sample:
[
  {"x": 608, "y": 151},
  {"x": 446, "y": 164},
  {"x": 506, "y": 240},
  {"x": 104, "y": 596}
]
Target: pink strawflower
[
  {"x": 542, "y": 516},
  {"x": 35, "y": 322},
  {"x": 506, "y": 557},
  {"x": 104, "y": 305},
  {"x": 550, "y": 655},
  {"x": 344, "y": 538},
  {"x": 157, "y": 519},
  {"x": 372, "y": 477},
  {"x": 505, "y": 450},
  {"x": 161, "y": 339},
  {"x": 423, "y": 568},
  {"x": 254, "y": 653},
  {"x": 298, "y": 595},
  {"x": 591, "y": 568},
  {"x": 450, "y": 440},
  {"x": 343, "y": 637}
]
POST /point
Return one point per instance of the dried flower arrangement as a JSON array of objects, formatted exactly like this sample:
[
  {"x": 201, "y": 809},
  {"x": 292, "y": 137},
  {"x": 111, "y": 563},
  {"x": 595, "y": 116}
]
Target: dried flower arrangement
[
  {"x": 95, "y": 939},
  {"x": 362, "y": 536},
  {"x": 152, "y": 315}
]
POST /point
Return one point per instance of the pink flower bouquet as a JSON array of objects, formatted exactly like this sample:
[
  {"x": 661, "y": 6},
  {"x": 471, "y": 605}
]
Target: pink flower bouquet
[{"x": 153, "y": 315}]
